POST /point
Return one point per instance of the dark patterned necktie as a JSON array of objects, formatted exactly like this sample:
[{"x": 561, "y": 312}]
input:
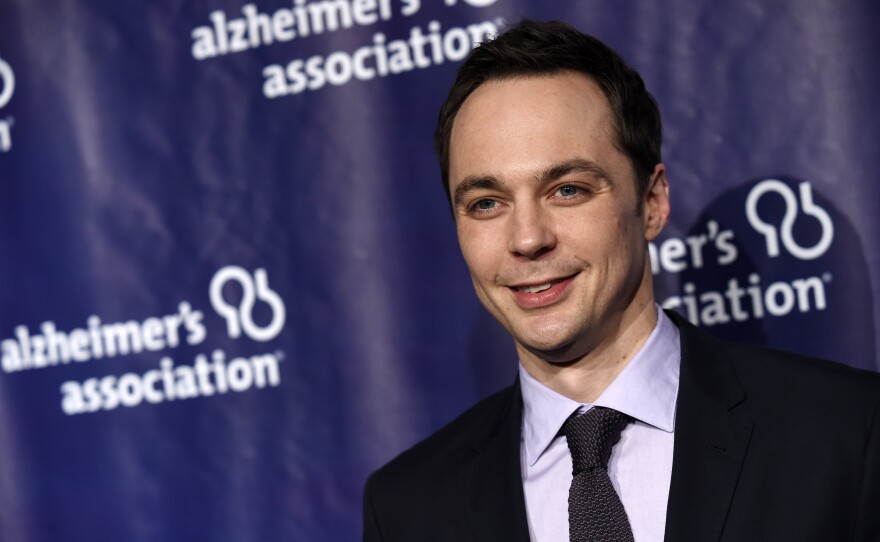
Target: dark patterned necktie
[{"x": 595, "y": 513}]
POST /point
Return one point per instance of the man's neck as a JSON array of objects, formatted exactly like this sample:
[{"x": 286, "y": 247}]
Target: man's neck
[{"x": 585, "y": 378}]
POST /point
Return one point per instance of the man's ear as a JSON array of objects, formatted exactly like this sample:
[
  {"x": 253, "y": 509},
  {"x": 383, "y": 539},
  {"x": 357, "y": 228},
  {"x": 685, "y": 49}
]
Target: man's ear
[{"x": 655, "y": 205}]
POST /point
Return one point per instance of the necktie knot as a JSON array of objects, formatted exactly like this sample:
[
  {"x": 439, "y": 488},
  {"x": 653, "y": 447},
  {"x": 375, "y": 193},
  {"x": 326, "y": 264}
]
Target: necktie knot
[{"x": 591, "y": 436}]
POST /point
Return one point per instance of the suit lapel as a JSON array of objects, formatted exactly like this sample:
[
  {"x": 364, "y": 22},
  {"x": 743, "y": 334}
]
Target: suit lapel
[
  {"x": 494, "y": 478},
  {"x": 710, "y": 441},
  {"x": 710, "y": 446}
]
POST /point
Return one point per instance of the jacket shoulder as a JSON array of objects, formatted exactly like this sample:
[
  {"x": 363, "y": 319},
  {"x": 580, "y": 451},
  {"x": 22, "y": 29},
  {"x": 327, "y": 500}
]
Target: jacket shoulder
[
  {"x": 452, "y": 442},
  {"x": 781, "y": 382},
  {"x": 763, "y": 366},
  {"x": 803, "y": 381},
  {"x": 419, "y": 495}
]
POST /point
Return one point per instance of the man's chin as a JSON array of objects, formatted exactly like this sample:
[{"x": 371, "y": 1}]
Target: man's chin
[{"x": 560, "y": 352}]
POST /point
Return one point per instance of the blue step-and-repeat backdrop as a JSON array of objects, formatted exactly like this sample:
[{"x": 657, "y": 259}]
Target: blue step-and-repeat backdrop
[{"x": 229, "y": 281}]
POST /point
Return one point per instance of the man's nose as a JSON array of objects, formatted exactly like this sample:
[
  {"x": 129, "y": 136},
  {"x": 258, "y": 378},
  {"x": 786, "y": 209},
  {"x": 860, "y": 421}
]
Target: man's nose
[{"x": 532, "y": 233}]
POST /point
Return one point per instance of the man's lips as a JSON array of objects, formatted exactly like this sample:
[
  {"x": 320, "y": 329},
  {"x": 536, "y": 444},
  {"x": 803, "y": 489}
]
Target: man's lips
[{"x": 539, "y": 294}]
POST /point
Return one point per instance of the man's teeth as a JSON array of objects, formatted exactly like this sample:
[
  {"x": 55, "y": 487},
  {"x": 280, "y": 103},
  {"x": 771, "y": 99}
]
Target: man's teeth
[{"x": 536, "y": 289}]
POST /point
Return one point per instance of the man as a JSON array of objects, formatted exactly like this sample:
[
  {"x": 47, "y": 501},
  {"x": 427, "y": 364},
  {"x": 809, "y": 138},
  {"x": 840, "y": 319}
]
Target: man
[{"x": 550, "y": 153}]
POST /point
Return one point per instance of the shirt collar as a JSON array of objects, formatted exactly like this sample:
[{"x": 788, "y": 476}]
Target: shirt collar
[{"x": 646, "y": 389}]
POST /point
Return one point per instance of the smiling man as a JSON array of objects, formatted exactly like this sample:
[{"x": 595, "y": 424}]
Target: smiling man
[
  {"x": 625, "y": 423},
  {"x": 554, "y": 227}
]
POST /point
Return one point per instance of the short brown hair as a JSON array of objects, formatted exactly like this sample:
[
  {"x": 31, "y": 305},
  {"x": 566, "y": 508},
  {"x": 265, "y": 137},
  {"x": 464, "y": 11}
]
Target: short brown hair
[{"x": 534, "y": 48}]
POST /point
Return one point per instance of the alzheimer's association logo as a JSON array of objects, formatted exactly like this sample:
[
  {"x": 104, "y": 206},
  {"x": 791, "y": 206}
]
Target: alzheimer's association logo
[
  {"x": 7, "y": 88},
  {"x": 772, "y": 234},
  {"x": 240, "y": 316}
]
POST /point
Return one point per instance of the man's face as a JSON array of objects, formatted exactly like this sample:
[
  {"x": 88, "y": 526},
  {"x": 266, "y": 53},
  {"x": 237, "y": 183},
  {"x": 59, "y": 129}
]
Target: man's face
[{"x": 548, "y": 215}]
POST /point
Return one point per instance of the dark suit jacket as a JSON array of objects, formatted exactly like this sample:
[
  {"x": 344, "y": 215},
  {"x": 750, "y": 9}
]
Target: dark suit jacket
[{"x": 768, "y": 446}]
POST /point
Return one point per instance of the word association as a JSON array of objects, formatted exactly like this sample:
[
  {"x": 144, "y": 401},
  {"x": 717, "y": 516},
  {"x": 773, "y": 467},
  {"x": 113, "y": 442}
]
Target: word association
[
  {"x": 172, "y": 383},
  {"x": 380, "y": 59},
  {"x": 740, "y": 304}
]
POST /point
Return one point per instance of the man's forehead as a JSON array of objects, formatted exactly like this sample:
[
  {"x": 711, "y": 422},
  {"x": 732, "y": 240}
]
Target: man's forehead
[
  {"x": 549, "y": 84},
  {"x": 564, "y": 108}
]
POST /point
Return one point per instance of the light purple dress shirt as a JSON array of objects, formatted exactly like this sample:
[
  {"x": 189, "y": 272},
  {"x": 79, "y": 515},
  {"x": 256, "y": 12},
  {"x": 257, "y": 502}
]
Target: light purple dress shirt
[{"x": 640, "y": 466}]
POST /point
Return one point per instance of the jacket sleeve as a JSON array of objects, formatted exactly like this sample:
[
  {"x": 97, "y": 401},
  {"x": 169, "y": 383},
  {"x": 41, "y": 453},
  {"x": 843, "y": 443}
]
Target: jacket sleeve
[
  {"x": 371, "y": 522},
  {"x": 868, "y": 520}
]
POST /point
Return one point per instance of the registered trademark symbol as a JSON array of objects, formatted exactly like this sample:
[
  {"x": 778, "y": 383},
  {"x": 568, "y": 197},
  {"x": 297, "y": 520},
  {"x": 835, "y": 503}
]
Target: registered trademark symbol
[
  {"x": 279, "y": 355},
  {"x": 826, "y": 276}
]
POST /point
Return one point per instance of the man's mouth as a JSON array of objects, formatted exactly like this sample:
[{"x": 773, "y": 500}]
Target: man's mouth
[
  {"x": 535, "y": 288},
  {"x": 538, "y": 288},
  {"x": 541, "y": 294}
]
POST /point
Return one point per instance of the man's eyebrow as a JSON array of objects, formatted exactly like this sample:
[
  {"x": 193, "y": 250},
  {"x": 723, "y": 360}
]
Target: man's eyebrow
[
  {"x": 477, "y": 182},
  {"x": 557, "y": 171}
]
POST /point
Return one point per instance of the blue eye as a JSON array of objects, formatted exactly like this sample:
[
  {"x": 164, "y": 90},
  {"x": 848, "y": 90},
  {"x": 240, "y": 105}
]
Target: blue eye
[
  {"x": 485, "y": 204},
  {"x": 483, "y": 208},
  {"x": 568, "y": 191}
]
